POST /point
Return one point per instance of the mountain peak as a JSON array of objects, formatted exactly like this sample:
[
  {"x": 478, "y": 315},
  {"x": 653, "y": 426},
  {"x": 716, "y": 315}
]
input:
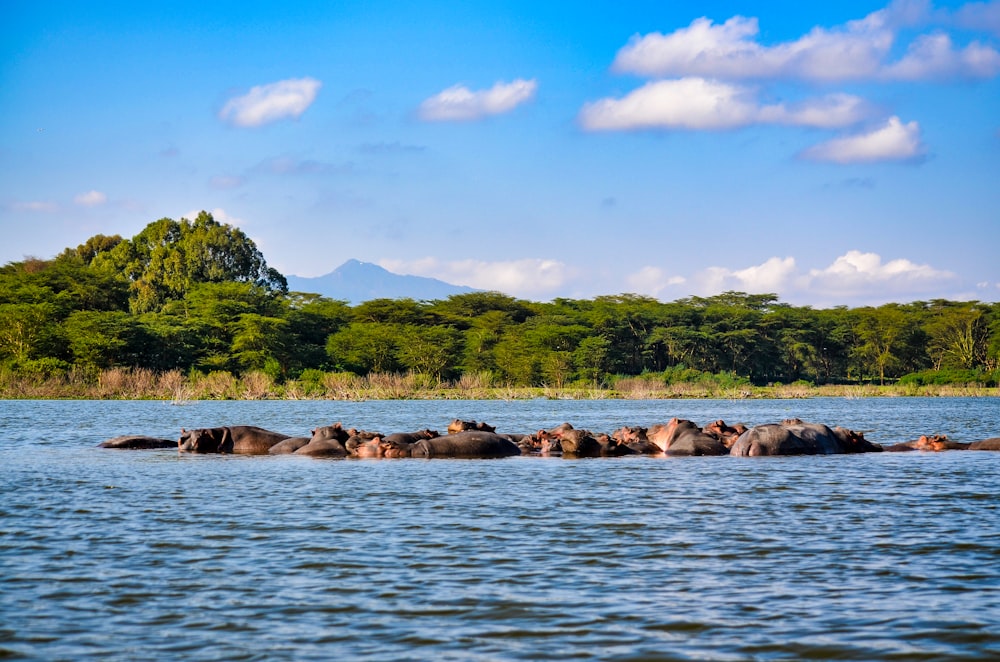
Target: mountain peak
[{"x": 355, "y": 281}]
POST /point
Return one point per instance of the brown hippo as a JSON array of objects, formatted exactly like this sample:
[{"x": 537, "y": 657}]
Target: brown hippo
[
  {"x": 469, "y": 443},
  {"x": 288, "y": 446},
  {"x": 635, "y": 438},
  {"x": 796, "y": 437},
  {"x": 243, "y": 439},
  {"x": 612, "y": 447},
  {"x": 364, "y": 445},
  {"x": 578, "y": 443},
  {"x": 461, "y": 426},
  {"x": 411, "y": 437},
  {"x": 326, "y": 441},
  {"x": 137, "y": 442},
  {"x": 992, "y": 444},
  {"x": 727, "y": 434},
  {"x": 933, "y": 443},
  {"x": 683, "y": 437}
]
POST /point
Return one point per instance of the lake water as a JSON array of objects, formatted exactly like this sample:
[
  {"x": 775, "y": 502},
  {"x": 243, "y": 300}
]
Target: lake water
[{"x": 124, "y": 555}]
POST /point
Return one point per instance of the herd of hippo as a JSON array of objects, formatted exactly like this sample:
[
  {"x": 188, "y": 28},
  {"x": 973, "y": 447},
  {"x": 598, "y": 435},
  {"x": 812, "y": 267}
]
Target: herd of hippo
[{"x": 470, "y": 439}]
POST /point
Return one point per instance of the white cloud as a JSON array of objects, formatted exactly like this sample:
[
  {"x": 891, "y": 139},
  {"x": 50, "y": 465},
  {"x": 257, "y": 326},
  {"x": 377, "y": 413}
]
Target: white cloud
[
  {"x": 34, "y": 206},
  {"x": 731, "y": 51},
  {"x": 526, "y": 277},
  {"x": 697, "y": 103},
  {"x": 91, "y": 199},
  {"x": 854, "y": 275},
  {"x": 459, "y": 103},
  {"x": 894, "y": 141},
  {"x": 980, "y": 16},
  {"x": 857, "y": 50},
  {"x": 859, "y": 274},
  {"x": 271, "y": 102},
  {"x": 774, "y": 275},
  {"x": 934, "y": 56},
  {"x": 855, "y": 278},
  {"x": 218, "y": 214},
  {"x": 652, "y": 281}
]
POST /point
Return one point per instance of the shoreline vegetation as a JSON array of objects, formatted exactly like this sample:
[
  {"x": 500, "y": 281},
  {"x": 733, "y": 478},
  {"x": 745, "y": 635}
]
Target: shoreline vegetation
[
  {"x": 189, "y": 310},
  {"x": 176, "y": 387}
]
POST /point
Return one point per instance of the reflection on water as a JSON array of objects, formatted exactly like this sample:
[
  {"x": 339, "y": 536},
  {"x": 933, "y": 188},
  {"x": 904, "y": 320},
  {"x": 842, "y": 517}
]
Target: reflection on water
[{"x": 135, "y": 554}]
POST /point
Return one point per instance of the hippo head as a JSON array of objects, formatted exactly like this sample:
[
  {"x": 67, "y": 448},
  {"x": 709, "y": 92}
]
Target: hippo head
[{"x": 202, "y": 440}]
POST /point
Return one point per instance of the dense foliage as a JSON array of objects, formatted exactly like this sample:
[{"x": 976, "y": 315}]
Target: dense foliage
[{"x": 199, "y": 297}]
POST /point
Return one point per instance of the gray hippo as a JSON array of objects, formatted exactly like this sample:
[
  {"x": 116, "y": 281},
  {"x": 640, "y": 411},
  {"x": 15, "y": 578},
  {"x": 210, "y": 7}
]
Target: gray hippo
[
  {"x": 469, "y": 443},
  {"x": 796, "y": 437},
  {"x": 137, "y": 442},
  {"x": 242, "y": 439}
]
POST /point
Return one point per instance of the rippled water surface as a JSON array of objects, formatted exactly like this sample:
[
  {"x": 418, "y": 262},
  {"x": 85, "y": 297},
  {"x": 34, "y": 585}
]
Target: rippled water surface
[{"x": 123, "y": 555}]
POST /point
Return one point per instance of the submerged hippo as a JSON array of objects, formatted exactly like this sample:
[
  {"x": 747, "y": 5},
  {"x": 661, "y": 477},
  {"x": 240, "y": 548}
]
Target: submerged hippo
[{"x": 242, "y": 439}]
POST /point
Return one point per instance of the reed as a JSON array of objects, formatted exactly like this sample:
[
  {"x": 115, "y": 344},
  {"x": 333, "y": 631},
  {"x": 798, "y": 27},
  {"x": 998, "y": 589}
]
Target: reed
[{"x": 139, "y": 383}]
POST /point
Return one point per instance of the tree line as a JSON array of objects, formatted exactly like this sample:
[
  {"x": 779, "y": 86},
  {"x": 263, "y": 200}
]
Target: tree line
[{"x": 198, "y": 296}]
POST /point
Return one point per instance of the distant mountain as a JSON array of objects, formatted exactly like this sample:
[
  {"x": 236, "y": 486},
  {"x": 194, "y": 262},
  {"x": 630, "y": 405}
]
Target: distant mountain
[{"x": 356, "y": 281}]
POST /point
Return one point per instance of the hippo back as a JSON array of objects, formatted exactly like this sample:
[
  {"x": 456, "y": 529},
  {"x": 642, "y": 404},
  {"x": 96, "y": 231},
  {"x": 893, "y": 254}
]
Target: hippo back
[{"x": 470, "y": 443}]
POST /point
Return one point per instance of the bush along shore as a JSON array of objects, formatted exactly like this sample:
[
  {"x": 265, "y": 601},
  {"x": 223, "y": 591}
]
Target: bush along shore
[{"x": 173, "y": 385}]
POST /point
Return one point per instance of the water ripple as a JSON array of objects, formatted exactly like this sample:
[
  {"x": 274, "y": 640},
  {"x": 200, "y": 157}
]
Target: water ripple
[{"x": 117, "y": 556}]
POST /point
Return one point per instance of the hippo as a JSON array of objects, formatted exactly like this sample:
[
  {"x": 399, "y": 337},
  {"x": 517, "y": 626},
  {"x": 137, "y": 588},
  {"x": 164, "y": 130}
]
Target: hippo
[
  {"x": 727, "y": 434},
  {"x": 468, "y": 443},
  {"x": 288, "y": 446},
  {"x": 461, "y": 426},
  {"x": 326, "y": 441},
  {"x": 364, "y": 444},
  {"x": 992, "y": 444},
  {"x": 243, "y": 439},
  {"x": 635, "y": 438},
  {"x": 137, "y": 442},
  {"x": 683, "y": 437},
  {"x": 933, "y": 443},
  {"x": 796, "y": 437},
  {"x": 578, "y": 443}
]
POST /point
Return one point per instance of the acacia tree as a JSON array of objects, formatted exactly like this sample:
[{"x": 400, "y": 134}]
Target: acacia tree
[
  {"x": 880, "y": 331},
  {"x": 958, "y": 336},
  {"x": 168, "y": 257}
]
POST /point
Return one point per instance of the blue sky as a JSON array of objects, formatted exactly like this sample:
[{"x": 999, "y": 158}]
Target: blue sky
[{"x": 833, "y": 153}]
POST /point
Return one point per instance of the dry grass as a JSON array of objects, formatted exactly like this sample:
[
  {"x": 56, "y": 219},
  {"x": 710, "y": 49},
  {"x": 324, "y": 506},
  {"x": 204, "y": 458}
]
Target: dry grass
[{"x": 125, "y": 383}]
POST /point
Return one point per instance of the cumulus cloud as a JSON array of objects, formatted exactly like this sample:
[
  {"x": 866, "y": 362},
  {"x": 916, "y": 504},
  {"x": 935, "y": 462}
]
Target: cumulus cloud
[
  {"x": 652, "y": 281},
  {"x": 268, "y": 103},
  {"x": 856, "y": 273},
  {"x": 855, "y": 278},
  {"x": 979, "y": 16},
  {"x": 91, "y": 199},
  {"x": 857, "y": 50},
  {"x": 934, "y": 56},
  {"x": 218, "y": 214},
  {"x": 459, "y": 103},
  {"x": 698, "y": 103},
  {"x": 527, "y": 277},
  {"x": 893, "y": 141}
]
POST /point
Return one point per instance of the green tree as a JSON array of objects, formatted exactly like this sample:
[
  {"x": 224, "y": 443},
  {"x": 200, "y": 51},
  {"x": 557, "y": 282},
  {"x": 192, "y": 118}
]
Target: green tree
[
  {"x": 362, "y": 348},
  {"x": 27, "y": 330},
  {"x": 429, "y": 350},
  {"x": 168, "y": 257},
  {"x": 958, "y": 336}
]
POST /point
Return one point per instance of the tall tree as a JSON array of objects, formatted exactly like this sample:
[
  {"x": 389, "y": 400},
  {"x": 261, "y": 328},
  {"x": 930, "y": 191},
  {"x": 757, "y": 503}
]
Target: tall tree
[{"x": 168, "y": 257}]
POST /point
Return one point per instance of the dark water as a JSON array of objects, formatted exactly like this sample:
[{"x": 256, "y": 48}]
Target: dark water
[{"x": 123, "y": 555}]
